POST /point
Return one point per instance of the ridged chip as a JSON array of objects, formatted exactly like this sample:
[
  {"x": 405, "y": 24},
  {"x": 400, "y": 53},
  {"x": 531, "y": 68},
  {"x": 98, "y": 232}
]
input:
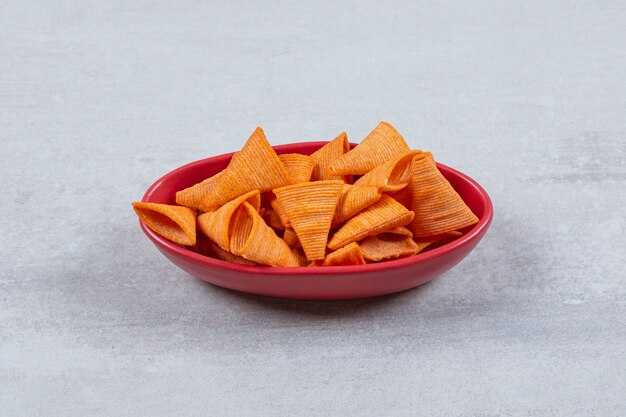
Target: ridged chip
[
  {"x": 392, "y": 175},
  {"x": 175, "y": 223},
  {"x": 217, "y": 224},
  {"x": 291, "y": 238},
  {"x": 403, "y": 196},
  {"x": 325, "y": 155},
  {"x": 272, "y": 219},
  {"x": 354, "y": 199},
  {"x": 196, "y": 196},
  {"x": 348, "y": 255},
  {"x": 298, "y": 166},
  {"x": 252, "y": 239},
  {"x": 384, "y": 214},
  {"x": 205, "y": 246},
  {"x": 438, "y": 207},
  {"x": 255, "y": 167},
  {"x": 310, "y": 208},
  {"x": 438, "y": 240},
  {"x": 382, "y": 144},
  {"x": 395, "y": 243}
]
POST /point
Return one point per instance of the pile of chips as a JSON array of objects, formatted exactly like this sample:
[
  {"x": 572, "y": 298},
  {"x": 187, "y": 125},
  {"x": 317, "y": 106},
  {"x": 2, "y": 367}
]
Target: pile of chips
[{"x": 376, "y": 202}]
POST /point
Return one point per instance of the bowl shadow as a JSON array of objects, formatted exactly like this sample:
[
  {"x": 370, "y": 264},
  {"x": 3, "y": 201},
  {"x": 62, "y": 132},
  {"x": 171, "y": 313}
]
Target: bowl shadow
[{"x": 317, "y": 308}]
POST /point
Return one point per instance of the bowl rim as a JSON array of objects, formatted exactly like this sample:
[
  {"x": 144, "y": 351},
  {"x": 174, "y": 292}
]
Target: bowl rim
[{"x": 161, "y": 242}]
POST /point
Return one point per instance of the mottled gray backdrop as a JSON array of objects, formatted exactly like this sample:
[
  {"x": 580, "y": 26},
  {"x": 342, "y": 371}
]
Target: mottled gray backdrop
[{"x": 98, "y": 99}]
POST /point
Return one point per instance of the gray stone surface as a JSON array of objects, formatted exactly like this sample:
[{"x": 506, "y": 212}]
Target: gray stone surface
[{"x": 98, "y": 99}]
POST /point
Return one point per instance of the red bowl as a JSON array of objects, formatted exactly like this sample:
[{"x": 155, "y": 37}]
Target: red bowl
[{"x": 320, "y": 283}]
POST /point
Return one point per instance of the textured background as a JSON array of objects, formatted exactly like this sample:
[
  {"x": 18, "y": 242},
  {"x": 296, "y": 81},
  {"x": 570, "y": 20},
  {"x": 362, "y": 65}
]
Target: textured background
[{"x": 98, "y": 99}]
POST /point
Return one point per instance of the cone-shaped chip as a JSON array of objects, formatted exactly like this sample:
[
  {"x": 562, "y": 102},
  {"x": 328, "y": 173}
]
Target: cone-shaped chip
[
  {"x": 438, "y": 207},
  {"x": 291, "y": 238},
  {"x": 403, "y": 196},
  {"x": 384, "y": 214},
  {"x": 175, "y": 223},
  {"x": 255, "y": 167},
  {"x": 197, "y": 196},
  {"x": 348, "y": 255},
  {"x": 298, "y": 166},
  {"x": 252, "y": 239},
  {"x": 272, "y": 219},
  {"x": 325, "y": 155},
  {"x": 382, "y": 144},
  {"x": 205, "y": 246},
  {"x": 392, "y": 175},
  {"x": 310, "y": 208},
  {"x": 217, "y": 224},
  {"x": 354, "y": 199}
]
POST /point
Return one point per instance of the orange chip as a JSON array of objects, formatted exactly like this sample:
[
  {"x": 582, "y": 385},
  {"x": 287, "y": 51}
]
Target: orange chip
[
  {"x": 403, "y": 196},
  {"x": 195, "y": 196},
  {"x": 348, "y": 255},
  {"x": 382, "y": 144},
  {"x": 354, "y": 199},
  {"x": 266, "y": 198},
  {"x": 272, "y": 220},
  {"x": 395, "y": 243},
  {"x": 301, "y": 256},
  {"x": 298, "y": 166},
  {"x": 428, "y": 155},
  {"x": 325, "y": 155},
  {"x": 255, "y": 167},
  {"x": 175, "y": 223},
  {"x": 310, "y": 208},
  {"x": 252, "y": 239},
  {"x": 291, "y": 238},
  {"x": 437, "y": 240},
  {"x": 205, "y": 246},
  {"x": 217, "y": 225},
  {"x": 400, "y": 231},
  {"x": 384, "y": 214},
  {"x": 282, "y": 214},
  {"x": 392, "y": 175},
  {"x": 438, "y": 207}
]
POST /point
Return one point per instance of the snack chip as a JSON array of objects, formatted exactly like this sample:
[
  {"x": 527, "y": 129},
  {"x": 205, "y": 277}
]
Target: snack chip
[
  {"x": 428, "y": 242},
  {"x": 400, "y": 231},
  {"x": 438, "y": 207},
  {"x": 280, "y": 211},
  {"x": 175, "y": 223},
  {"x": 382, "y": 144},
  {"x": 252, "y": 239},
  {"x": 205, "y": 246},
  {"x": 291, "y": 238},
  {"x": 325, "y": 155},
  {"x": 392, "y": 175},
  {"x": 384, "y": 214},
  {"x": 196, "y": 196},
  {"x": 301, "y": 256},
  {"x": 354, "y": 198},
  {"x": 403, "y": 196},
  {"x": 272, "y": 219},
  {"x": 298, "y": 166},
  {"x": 310, "y": 208},
  {"x": 395, "y": 243},
  {"x": 217, "y": 225},
  {"x": 255, "y": 167},
  {"x": 348, "y": 255}
]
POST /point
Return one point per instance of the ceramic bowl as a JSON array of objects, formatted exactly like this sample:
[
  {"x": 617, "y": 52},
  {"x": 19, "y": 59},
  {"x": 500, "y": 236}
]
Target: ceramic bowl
[{"x": 320, "y": 283}]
